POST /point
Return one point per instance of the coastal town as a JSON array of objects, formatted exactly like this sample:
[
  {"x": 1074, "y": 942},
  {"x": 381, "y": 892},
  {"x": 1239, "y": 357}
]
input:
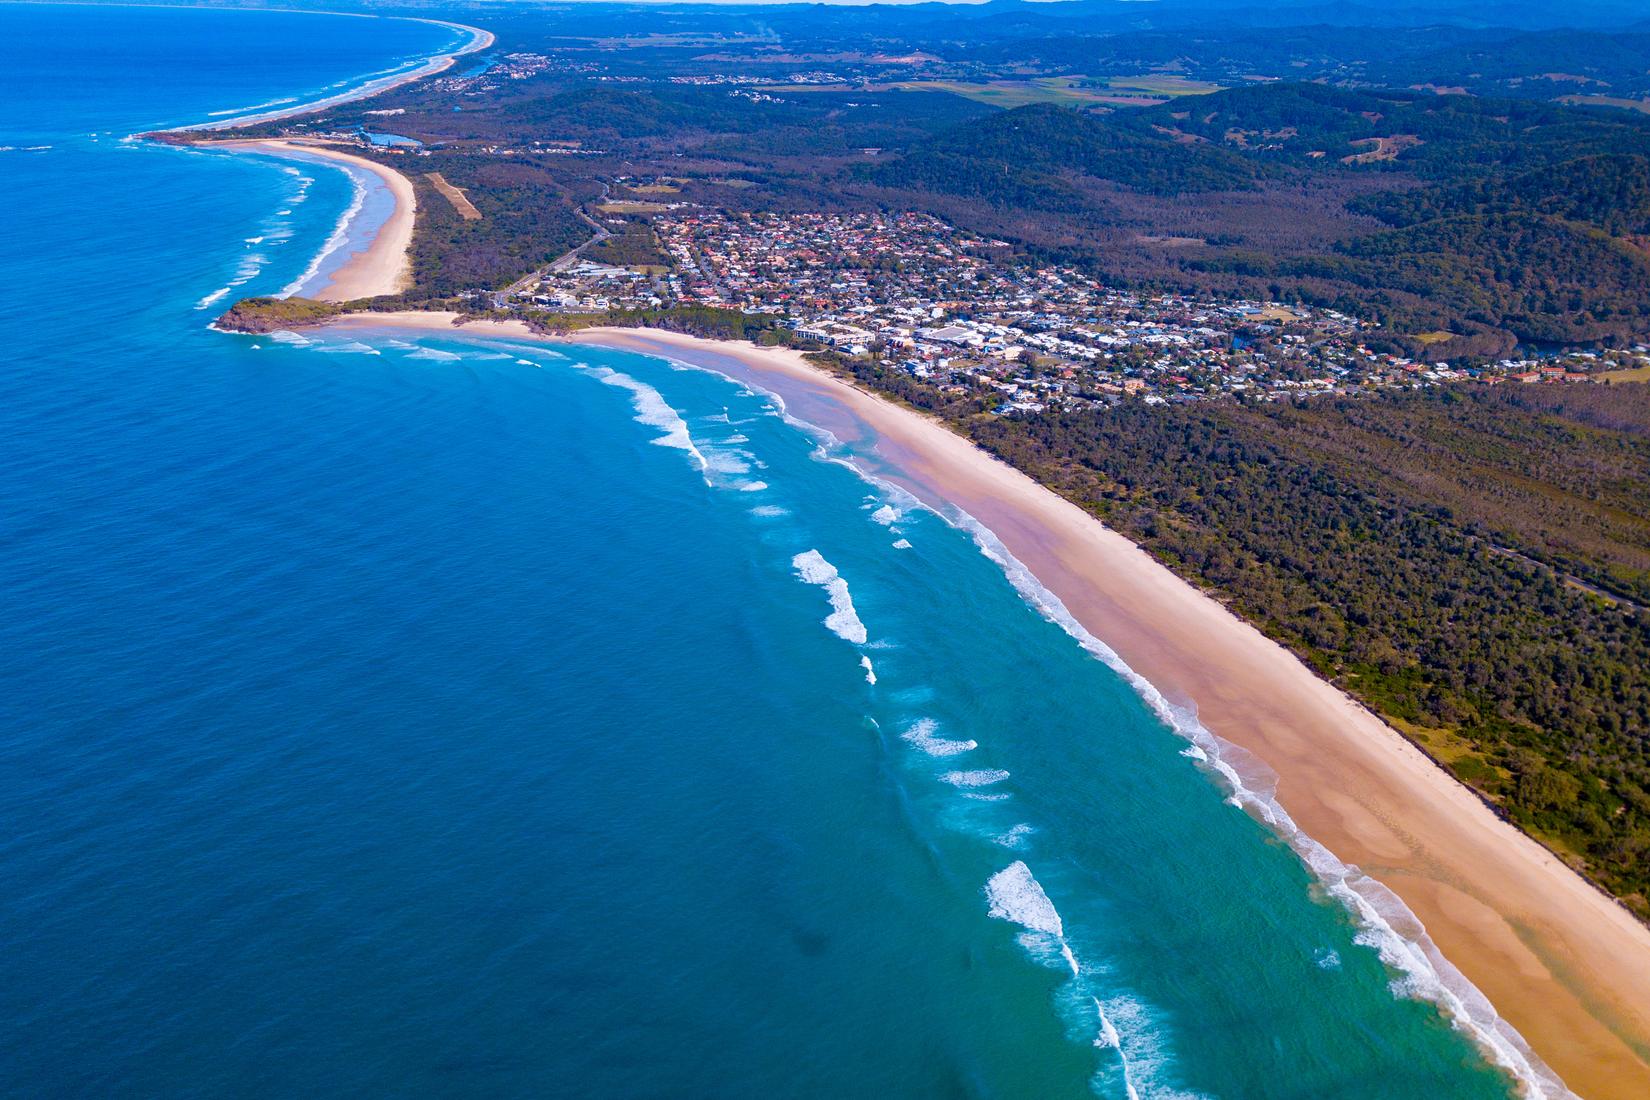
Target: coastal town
[{"x": 966, "y": 315}]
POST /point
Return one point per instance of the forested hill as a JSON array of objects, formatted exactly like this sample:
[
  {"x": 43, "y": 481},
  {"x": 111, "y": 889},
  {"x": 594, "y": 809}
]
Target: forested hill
[
  {"x": 1027, "y": 157},
  {"x": 1440, "y": 136},
  {"x": 1528, "y": 226},
  {"x": 1489, "y": 61},
  {"x": 1610, "y": 191},
  {"x": 1539, "y": 278}
]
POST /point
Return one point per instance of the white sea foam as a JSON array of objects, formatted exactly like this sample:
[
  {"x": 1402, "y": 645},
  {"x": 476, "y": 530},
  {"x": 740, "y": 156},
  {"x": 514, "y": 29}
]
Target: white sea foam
[
  {"x": 1015, "y": 837},
  {"x": 887, "y": 515},
  {"x": 921, "y": 734},
  {"x": 1137, "y": 1050},
  {"x": 435, "y": 354},
  {"x": 843, "y": 621},
  {"x": 244, "y": 272},
  {"x": 728, "y": 460},
  {"x": 870, "y": 673},
  {"x": 297, "y": 340},
  {"x": 902, "y": 544},
  {"x": 254, "y": 107},
  {"x": 652, "y": 410},
  {"x": 1016, "y": 895},
  {"x": 988, "y": 796},
  {"x": 1108, "y": 1032},
  {"x": 977, "y": 777},
  {"x": 349, "y": 347},
  {"x": 769, "y": 511},
  {"x": 752, "y": 486},
  {"x": 1424, "y": 972},
  {"x": 338, "y": 239}
]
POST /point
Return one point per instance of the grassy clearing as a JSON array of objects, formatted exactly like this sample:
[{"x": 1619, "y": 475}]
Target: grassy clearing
[
  {"x": 632, "y": 207},
  {"x": 1640, "y": 105},
  {"x": 1145, "y": 90},
  {"x": 461, "y": 202},
  {"x": 1008, "y": 94},
  {"x": 1159, "y": 84}
]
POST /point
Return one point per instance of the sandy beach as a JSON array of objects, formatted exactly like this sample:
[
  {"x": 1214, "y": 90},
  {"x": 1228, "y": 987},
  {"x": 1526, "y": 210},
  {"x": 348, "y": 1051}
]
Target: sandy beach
[
  {"x": 381, "y": 267},
  {"x": 1563, "y": 964}
]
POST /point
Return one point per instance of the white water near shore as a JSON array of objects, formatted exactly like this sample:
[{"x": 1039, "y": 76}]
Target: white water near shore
[{"x": 1426, "y": 972}]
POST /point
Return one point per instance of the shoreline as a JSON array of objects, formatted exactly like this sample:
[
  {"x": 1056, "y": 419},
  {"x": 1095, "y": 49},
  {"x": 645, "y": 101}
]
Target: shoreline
[
  {"x": 1560, "y": 961},
  {"x": 479, "y": 40},
  {"x": 383, "y": 265}
]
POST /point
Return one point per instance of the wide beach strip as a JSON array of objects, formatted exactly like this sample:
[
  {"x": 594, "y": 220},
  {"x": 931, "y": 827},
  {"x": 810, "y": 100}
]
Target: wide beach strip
[
  {"x": 381, "y": 264},
  {"x": 1560, "y": 961}
]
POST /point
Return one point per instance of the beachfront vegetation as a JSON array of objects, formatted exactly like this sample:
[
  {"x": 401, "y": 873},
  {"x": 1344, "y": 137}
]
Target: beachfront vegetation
[
  {"x": 528, "y": 220},
  {"x": 705, "y": 321},
  {"x": 258, "y": 315},
  {"x": 1471, "y": 565}
]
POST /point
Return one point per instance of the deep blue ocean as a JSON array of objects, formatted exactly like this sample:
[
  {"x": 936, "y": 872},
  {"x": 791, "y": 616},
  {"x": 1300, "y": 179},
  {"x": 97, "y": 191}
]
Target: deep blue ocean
[{"x": 390, "y": 716}]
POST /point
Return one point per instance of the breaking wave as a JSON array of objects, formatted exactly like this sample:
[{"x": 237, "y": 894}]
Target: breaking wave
[
  {"x": 652, "y": 410},
  {"x": 921, "y": 734},
  {"x": 255, "y": 107},
  {"x": 340, "y": 233},
  {"x": 1423, "y": 972},
  {"x": 978, "y": 777},
  {"x": 1015, "y": 895},
  {"x": 843, "y": 621}
]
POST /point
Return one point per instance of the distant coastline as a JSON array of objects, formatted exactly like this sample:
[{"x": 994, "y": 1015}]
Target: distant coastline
[
  {"x": 479, "y": 40},
  {"x": 381, "y": 265}
]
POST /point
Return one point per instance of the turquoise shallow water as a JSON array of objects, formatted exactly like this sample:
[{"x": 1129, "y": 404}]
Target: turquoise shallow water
[{"x": 402, "y": 716}]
